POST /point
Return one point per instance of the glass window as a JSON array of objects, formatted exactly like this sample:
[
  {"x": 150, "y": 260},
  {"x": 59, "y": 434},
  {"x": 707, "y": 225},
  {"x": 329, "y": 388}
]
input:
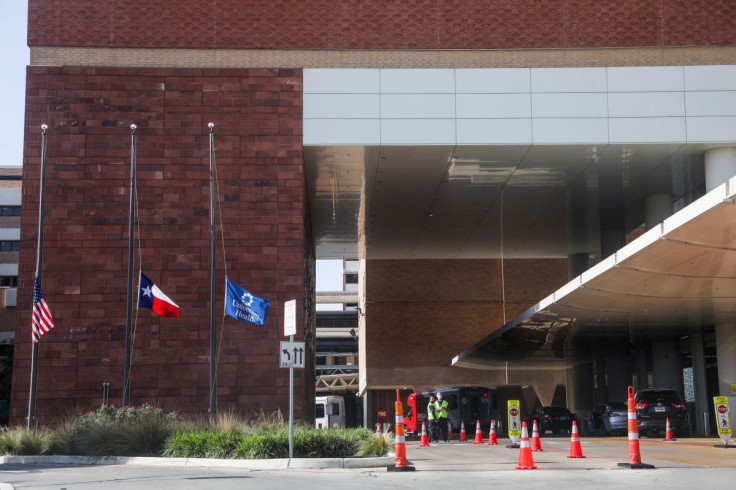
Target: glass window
[
  {"x": 320, "y": 410},
  {"x": 335, "y": 409}
]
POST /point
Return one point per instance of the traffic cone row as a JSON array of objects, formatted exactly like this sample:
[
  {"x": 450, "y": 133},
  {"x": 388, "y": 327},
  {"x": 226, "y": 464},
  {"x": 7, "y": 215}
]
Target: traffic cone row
[
  {"x": 536, "y": 442},
  {"x": 576, "y": 451},
  {"x": 463, "y": 437},
  {"x": 478, "y": 434},
  {"x": 492, "y": 440},
  {"x": 424, "y": 441},
  {"x": 526, "y": 462}
]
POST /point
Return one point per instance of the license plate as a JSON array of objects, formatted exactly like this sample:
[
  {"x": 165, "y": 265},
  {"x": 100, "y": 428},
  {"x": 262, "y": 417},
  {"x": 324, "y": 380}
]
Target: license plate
[
  {"x": 659, "y": 409},
  {"x": 564, "y": 418}
]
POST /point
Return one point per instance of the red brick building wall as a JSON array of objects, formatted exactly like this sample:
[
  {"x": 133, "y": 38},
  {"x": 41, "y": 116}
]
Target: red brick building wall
[
  {"x": 385, "y": 24},
  {"x": 258, "y": 139}
]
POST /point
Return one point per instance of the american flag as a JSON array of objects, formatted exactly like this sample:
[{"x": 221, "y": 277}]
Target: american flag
[{"x": 42, "y": 320}]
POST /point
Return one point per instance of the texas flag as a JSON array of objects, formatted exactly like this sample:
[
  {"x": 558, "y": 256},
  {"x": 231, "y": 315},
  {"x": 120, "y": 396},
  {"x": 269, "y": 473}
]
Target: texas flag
[{"x": 150, "y": 296}]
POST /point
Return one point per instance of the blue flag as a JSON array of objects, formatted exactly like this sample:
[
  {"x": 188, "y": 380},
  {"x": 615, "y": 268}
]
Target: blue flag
[{"x": 242, "y": 305}]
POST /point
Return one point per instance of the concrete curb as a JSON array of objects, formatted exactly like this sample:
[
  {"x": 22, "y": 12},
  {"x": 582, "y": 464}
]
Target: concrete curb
[{"x": 254, "y": 464}]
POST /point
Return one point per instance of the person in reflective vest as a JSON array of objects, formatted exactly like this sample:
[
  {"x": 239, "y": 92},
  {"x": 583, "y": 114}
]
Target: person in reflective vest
[
  {"x": 440, "y": 414},
  {"x": 432, "y": 419}
]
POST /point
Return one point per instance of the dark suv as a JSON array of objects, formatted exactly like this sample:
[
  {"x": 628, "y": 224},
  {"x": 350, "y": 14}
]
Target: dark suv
[
  {"x": 654, "y": 407},
  {"x": 557, "y": 419}
]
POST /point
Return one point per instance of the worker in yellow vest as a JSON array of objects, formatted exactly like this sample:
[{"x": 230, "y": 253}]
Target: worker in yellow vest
[
  {"x": 432, "y": 419},
  {"x": 440, "y": 414}
]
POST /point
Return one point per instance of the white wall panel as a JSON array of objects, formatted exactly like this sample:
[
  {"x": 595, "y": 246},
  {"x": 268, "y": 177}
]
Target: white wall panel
[
  {"x": 569, "y": 131},
  {"x": 568, "y": 80},
  {"x": 418, "y": 131},
  {"x": 711, "y": 129},
  {"x": 569, "y": 105},
  {"x": 493, "y": 80},
  {"x": 711, "y": 103},
  {"x": 646, "y": 79},
  {"x": 715, "y": 77},
  {"x": 429, "y": 106},
  {"x": 418, "y": 81},
  {"x": 494, "y": 131},
  {"x": 492, "y": 106},
  {"x": 336, "y": 106},
  {"x": 342, "y": 132},
  {"x": 341, "y": 81},
  {"x": 647, "y": 130},
  {"x": 646, "y": 104}
]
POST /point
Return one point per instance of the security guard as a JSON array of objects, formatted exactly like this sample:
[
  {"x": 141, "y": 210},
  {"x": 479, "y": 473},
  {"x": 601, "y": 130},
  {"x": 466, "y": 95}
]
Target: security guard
[
  {"x": 440, "y": 414},
  {"x": 432, "y": 419}
]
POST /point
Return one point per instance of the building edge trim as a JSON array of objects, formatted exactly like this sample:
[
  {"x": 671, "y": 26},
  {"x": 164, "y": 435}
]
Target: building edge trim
[{"x": 329, "y": 58}]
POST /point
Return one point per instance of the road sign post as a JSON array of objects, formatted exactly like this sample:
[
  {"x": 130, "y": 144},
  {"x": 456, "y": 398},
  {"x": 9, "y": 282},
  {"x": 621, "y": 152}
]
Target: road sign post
[
  {"x": 514, "y": 417},
  {"x": 290, "y": 330}
]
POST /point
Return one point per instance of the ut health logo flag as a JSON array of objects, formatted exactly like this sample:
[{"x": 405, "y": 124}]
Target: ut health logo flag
[
  {"x": 150, "y": 296},
  {"x": 242, "y": 305}
]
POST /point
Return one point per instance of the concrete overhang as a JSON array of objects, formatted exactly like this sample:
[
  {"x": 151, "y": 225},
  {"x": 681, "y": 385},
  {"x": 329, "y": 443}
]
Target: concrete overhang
[{"x": 678, "y": 277}]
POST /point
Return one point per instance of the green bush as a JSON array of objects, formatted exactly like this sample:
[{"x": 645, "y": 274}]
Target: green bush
[
  {"x": 20, "y": 441},
  {"x": 377, "y": 445}
]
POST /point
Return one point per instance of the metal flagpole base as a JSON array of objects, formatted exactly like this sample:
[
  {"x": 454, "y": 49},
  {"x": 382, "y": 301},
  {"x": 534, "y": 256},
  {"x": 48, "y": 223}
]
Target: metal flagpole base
[
  {"x": 400, "y": 468},
  {"x": 725, "y": 446},
  {"x": 636, "y": 466}
]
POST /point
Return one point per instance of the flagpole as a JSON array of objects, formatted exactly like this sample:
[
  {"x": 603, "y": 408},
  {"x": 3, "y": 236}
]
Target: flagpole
[
  {"x": 213, "y": 332},
  {"x": 39, "y": 265},
  {"x": 129, "y": 300}
]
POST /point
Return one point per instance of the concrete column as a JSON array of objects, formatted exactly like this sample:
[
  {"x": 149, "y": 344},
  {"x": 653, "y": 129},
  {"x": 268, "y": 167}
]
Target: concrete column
[
  {"x": 580, "y": 389},
  {"x": 618, "y": 376},
  {"x": 720, "y": 165},
  {"x": 577, "y": 228},
  {"x": 699, "y": 379},
  {"x": 657, "y": 208},
  {"x": 726, "y": 352},
  {"x": 667, "y": 366},
  {"x": 642, "y": 372},
  {"x": 611, "y": 209}
]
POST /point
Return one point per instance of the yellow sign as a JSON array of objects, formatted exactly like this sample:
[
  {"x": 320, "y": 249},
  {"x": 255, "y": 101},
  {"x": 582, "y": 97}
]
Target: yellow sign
[
  {"x": 514, "y": 418},
  {"x": 723, "y": 417},
  {"x": 733, "y": 388}
]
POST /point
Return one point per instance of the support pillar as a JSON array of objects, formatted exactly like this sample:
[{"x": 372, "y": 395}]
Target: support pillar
[
  {"x": 667, "y": 366},
  {"x": 699, "y": 380},
  {"x": 720, "y": 165},
  {"x": 577, "y": 228},
  {"x": 611, "y": 209},
  {"x": 618, "y": 377},
  {"x": 657, "y": 208},
  {"x": 580, "y": 389}
]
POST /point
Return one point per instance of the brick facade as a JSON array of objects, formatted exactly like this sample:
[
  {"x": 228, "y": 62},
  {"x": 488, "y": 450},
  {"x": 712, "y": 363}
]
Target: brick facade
[
  {"x": 260, "y": 171},
  {"x": 386, "y": 24}
]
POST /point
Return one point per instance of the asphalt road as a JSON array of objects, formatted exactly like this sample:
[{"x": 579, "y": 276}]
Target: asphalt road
[{"x": 684, "y": 464}]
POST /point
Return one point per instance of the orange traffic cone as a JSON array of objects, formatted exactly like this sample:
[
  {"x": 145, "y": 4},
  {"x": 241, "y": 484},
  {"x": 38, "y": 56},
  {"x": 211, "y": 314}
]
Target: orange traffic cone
[
  {"x": 526, "y": 462},
  {"x": 576, "y": 451},
  {"x": 463, "y": 437},
  {"x": 478, "y": 434},
  {"x": 492, "y": 440},
  {"x": 424, "y": 440},
  {"x": 378, "y": 430},
  {"x": 536, "y": 442},
  {"x": 668, "y": 432},
  {"x": 634, "y": 455},
  {"x": 400, "y": 463},
  {"x": 449, "y": 431}
]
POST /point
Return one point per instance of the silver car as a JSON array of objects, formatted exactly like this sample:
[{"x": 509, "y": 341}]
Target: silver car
[{"x": 608, "y": 418}]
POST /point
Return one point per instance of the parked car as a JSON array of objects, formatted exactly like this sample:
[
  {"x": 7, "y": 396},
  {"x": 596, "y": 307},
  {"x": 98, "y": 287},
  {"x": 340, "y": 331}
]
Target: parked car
[
  {"x": 607, "y": 418},
  {"x": 655, "y": 406},
  {"x": 555, "y": 419}
]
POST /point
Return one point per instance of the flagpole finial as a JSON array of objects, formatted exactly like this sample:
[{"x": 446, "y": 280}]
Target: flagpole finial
[
  {"x": 44, "y": 127},
  {"x": 133, "y": 127},
  {"x": 211, "y": 125}
]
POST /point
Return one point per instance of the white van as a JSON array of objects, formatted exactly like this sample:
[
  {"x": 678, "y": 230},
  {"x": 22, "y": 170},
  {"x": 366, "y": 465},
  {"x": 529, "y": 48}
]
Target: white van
[{"x": 330, "y": 412}]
